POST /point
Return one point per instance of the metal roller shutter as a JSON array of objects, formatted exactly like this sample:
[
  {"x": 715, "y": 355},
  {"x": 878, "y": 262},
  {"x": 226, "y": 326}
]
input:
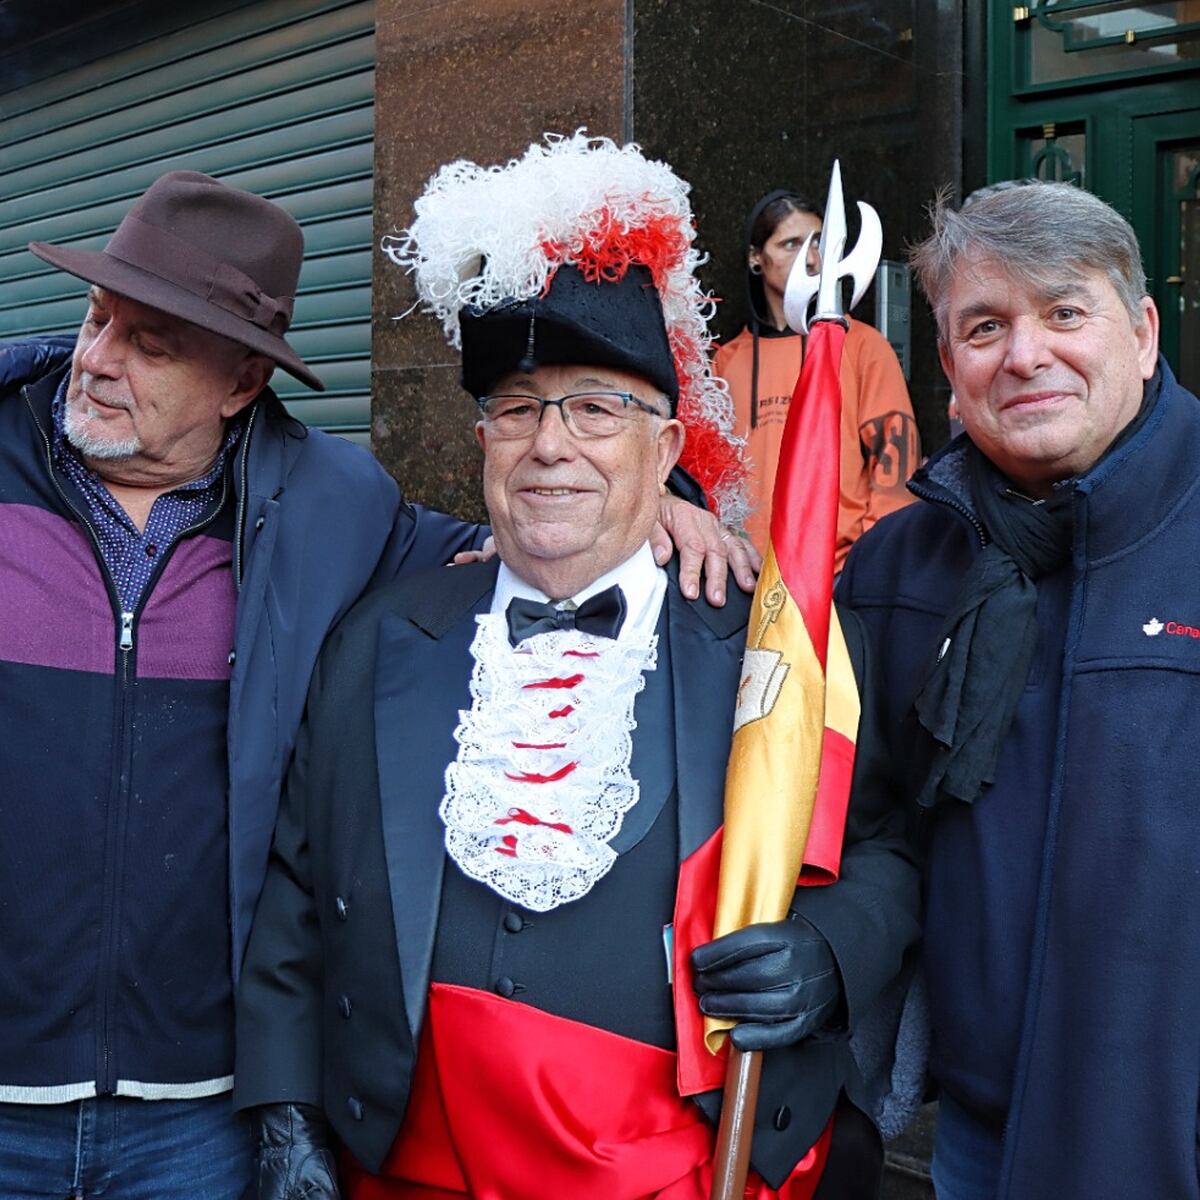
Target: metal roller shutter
[{"x": 276, "y": 97}]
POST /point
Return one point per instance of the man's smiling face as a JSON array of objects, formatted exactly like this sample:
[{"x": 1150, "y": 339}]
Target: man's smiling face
[
  {"x": 1044, "y": 381},
  {"x": 565, "y": 509}
]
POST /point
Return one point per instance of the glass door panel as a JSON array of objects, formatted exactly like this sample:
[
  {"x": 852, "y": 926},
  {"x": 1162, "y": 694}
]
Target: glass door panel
[{"x": 1181, "y": 288}]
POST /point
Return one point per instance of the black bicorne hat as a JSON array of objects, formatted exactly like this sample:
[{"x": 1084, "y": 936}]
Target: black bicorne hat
[{"x": 617, "y": 323}]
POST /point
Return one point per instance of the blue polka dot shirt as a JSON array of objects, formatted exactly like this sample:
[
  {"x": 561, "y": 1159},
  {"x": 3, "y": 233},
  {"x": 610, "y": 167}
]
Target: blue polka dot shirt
[{"x": 132, "y": 555}]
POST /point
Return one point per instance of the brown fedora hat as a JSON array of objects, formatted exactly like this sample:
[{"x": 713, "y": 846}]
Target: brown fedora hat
[{"x": 216, "y": 256}]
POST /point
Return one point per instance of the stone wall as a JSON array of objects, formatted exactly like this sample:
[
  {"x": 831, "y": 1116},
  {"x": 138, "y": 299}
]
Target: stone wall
[{"x": 738, "y": 95}]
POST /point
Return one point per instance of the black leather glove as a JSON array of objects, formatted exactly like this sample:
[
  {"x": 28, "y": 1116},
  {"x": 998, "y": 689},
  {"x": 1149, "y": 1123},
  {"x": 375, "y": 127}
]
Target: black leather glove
[
  {"x": 295, "y": 1154},
  {"x": 778, "y": 980}
]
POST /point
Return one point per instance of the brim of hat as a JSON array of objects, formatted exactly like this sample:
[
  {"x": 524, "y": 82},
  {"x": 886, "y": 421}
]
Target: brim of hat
[
  {"x": 496, "y": 345},
  {"x": 102, "y": 269}
]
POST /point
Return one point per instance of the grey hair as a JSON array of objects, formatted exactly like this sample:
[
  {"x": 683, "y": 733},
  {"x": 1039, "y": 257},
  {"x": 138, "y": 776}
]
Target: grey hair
[{"x": 1049, "y": 234}]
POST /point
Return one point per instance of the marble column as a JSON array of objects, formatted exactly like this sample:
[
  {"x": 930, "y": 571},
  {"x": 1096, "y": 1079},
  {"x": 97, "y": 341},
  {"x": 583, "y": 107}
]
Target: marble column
[{"x": 475, "y": 79}]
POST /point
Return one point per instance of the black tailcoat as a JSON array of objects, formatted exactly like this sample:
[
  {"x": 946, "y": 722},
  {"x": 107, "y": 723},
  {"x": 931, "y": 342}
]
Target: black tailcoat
[{"x": 335, "y": 982}]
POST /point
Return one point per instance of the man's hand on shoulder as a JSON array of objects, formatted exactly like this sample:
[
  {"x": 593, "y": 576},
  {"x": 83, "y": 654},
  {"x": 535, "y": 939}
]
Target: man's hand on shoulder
[
  {"x": 295, "y": 1158},
  {"x": 486, "y": 551},
  {"x": 704, "y": 544}
]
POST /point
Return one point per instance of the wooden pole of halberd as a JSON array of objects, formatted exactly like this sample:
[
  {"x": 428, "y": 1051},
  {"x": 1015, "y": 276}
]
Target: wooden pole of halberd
[{"x": 732, "y": 1163}]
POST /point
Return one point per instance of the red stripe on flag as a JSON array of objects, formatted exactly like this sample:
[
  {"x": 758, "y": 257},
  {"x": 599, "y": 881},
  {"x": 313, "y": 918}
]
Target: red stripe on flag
[
  {"x": 695, "y": 909},
  {"x": 808, "y": 483},
  {"x": 823, "y": 850}
]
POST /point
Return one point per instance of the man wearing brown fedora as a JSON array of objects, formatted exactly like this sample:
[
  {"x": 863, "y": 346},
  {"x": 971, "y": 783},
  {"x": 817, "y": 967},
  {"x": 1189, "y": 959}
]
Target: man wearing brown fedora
[{"x": 174, "y": 549}]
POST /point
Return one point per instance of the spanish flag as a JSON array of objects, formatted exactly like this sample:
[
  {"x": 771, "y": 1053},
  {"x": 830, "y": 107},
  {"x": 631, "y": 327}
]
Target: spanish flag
[{"x": 787, "y": 785}]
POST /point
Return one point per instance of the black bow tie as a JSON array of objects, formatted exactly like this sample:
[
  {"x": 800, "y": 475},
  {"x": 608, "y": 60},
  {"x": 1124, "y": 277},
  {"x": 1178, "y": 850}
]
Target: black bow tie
[{"x": 601, "y": 616}]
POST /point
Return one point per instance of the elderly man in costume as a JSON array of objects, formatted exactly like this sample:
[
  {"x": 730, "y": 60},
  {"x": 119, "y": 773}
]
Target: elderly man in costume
[
  {"x": 1033, "y": 624},
  {"x": 461, "y": 960},
  {"x": 173, "y": 551}
]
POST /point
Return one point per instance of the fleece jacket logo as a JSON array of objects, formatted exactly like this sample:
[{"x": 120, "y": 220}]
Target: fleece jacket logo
[{"x": 1154, "y": 627}]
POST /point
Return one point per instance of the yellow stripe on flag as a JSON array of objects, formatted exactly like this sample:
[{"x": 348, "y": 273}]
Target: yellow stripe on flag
[{"x": 779, "y": 724}]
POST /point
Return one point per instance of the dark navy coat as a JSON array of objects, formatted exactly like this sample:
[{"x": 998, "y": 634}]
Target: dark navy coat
[
  {"x": 319, "y": 522},
  {"x": 1062, "y": 909}
]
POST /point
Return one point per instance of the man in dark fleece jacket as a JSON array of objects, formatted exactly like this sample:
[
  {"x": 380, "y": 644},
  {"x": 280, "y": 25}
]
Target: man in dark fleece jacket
[
  {"x": 1034, "y": 630},
  {"x": 173, "y": 551}
]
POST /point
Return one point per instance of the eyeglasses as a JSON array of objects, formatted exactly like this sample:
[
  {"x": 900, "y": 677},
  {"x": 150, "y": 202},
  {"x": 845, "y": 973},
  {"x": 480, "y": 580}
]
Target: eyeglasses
[{"x": 586, "y": 414}]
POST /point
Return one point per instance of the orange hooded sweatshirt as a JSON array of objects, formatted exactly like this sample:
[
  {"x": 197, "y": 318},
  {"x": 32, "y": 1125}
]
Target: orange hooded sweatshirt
[{"x": 880, "y": 444}]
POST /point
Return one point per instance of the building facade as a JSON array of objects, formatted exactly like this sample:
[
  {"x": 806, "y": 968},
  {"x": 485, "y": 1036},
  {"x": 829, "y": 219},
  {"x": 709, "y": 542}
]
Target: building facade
[{"x": 341, "y": 109}]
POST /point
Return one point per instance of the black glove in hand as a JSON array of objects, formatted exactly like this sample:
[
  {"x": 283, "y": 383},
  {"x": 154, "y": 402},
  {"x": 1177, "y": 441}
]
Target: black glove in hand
[
  {"x": 778, "y": 980},
  {"x": 295, "y": 1157}
]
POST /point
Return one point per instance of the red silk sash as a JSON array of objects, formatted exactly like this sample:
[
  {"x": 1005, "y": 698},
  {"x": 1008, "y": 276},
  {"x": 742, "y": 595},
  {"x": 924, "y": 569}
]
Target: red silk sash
[{"x": 511, "y": 1103}]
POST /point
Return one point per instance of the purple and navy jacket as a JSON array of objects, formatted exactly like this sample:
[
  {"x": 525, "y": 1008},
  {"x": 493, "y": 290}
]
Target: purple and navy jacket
[{"x": 144, "y": 747}]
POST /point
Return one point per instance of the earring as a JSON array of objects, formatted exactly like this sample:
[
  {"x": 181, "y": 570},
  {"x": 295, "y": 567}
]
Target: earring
[{"x": 755, "y": 268}]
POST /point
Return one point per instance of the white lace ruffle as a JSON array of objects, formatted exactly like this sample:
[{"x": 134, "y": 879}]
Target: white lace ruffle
[{"x": 541, "y": 783}]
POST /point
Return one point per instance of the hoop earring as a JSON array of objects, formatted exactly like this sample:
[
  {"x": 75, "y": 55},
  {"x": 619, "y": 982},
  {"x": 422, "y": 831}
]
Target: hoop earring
[{"x": 755, "y": 268}]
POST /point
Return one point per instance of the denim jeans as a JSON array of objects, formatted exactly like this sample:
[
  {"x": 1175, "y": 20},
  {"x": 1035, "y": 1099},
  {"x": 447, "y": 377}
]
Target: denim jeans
[
  {"x": 117, "y": 1148},
  {"x": 966, "y": 1155}
]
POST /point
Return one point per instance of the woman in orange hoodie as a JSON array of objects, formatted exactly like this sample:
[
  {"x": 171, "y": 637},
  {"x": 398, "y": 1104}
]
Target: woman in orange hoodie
[{"x": 880, "y": 445}]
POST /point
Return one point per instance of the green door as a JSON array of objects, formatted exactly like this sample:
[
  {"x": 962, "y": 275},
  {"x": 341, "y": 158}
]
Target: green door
[
  {"x": 1166, "y": 151},
  {"x": 1103, "y": 93}
]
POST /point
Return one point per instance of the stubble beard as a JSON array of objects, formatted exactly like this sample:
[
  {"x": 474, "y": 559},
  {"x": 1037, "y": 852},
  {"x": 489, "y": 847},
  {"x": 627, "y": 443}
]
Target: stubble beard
[{"x": 76, "y": 428}]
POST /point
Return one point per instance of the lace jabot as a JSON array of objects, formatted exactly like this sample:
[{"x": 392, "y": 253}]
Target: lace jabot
[{"x": 541, "y": 782}]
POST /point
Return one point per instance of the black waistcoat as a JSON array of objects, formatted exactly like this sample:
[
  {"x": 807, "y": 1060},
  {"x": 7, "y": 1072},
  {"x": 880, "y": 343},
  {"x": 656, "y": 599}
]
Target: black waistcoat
[{"x": 600, "y": 959}]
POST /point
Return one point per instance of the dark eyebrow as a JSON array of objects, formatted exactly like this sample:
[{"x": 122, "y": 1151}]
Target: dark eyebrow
[
  {"x": 1066, "y": 291},
  {"x": 1070, "y": 291},
  {"x": 972, "y": 312}
]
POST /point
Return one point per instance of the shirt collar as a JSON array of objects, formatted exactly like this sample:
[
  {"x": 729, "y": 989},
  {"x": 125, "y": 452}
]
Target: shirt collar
[
  {"x": 63, "y": 448},
  {"x": 642, "y": 580}
]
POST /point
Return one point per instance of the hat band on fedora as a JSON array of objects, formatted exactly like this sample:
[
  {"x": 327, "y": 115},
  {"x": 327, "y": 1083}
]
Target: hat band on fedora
[{"x": 159, "y": 252}]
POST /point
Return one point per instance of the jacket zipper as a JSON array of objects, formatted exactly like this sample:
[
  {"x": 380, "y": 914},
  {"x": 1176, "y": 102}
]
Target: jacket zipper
[
  {"x": 128, "y": 624},
  {"x": 1032, "y": 999},
  {"x": 240, "y": 518},
  {"x": 949, "y": 501},
  {"x": 119, "y": 788}
]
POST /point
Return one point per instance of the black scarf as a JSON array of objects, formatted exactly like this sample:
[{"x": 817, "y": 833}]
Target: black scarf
[{"x": 970, "y": 695}]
